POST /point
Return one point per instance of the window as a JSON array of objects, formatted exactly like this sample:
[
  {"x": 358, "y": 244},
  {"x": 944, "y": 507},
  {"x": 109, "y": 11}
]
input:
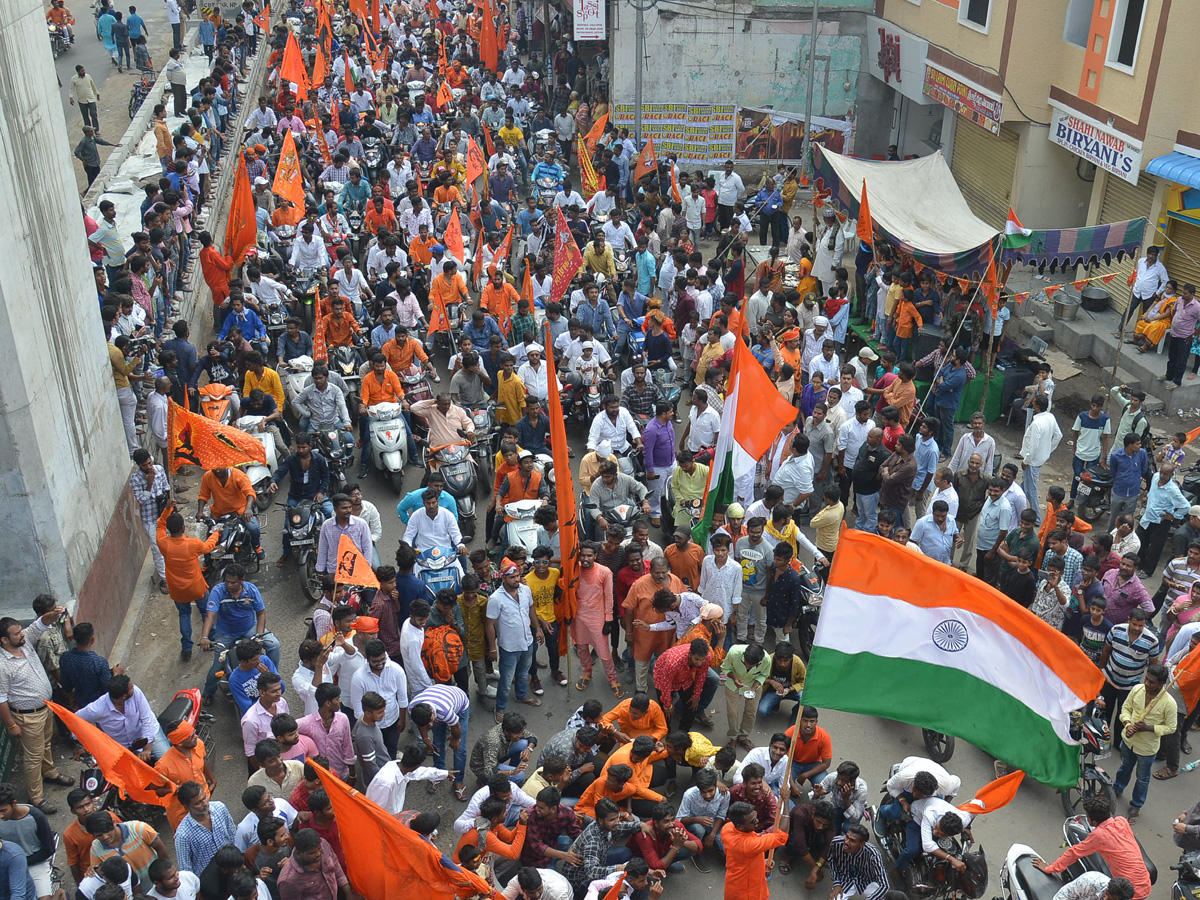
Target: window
[
  {"x": 1126, "y": 33},
  {"x": 1078, "y": 23},
  {"x": 975, "y": 13}
]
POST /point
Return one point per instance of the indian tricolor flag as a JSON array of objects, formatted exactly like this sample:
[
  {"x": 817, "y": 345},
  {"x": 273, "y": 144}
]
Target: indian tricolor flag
[
  {"x": 904, "y": 637},
  {"x": 1015, "y": 234},
  {"x": 755, "y": 412}
]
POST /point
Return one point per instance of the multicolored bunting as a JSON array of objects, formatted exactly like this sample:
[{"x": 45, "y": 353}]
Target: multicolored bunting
[{"x": 587, "y": 174}]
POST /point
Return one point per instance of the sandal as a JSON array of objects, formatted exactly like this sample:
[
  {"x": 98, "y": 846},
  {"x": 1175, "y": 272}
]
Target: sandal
[
  {"x": 460, "y": 793},
  {"x": 783, "y": 868},
  {"x": 583, "y": 682},
  {"x": 617, "y": 690},
  {"x": 529, "y": 701},
  {"x": 1166, "y": 773}
]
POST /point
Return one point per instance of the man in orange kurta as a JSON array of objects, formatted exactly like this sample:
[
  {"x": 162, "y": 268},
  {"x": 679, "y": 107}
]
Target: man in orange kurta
[
  {"x": 216, "y": 268},
  {"x": 631, "y": 718},
  {"x": 185, "y": 581},
  {"x": 639, "y": 604},
  {"x": 745, "y": 864},
  {"x": 187, "y": 760}
]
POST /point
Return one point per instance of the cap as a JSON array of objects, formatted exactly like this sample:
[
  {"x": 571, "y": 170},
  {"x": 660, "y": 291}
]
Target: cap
[
  {"x": 735, "y": 511},
  {"x": 523, "y": 454},
  {"x": 821, "y": 320},
  {"x": 604, "y": 449},
  {"x": 534, "y": 348},
  {"x": 587, "y": 345},
  {"x": 510, "y": 570},
  {"x": 828, "y": 212},
  {"x": 260, "y": 180},
  {"x": 868, "y": 353},
  {"x": 181, "y": 732},
  {"x": 792, "y": 334},
  {"x": 682, "y": 529},
  {"x": 1194, "y": 511},
  {"x": 366, "y": 624},
  {"x": 437, "y": 248},
  {"x": 711, "y": 611}
]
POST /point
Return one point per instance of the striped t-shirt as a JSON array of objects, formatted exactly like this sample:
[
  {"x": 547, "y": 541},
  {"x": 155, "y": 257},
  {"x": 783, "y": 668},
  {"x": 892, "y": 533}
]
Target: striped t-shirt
[
  {"x": 448, "y": 702},
  {"x": 1128, "y": 660}
]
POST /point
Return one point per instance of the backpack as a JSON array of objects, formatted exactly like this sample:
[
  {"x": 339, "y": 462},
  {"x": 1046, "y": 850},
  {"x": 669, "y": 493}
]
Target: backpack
[{"x": 442, "y": 652}]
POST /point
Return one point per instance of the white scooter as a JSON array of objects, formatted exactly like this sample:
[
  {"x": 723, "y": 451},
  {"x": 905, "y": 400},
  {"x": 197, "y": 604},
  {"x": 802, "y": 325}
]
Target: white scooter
[
  {"x": 1021, "y": 880},
  {"x": 389, "y": 442},
  {"x": 258, "y": 473},
  {"x": 522, "y": 531},
  {"x": 296, "y": 374}
]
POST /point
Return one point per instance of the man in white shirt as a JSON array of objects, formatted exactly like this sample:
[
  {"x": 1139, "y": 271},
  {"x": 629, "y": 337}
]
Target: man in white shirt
[
  {"x": 850, "y": 394},
  {"x": 1042, "y": 435},
  {"x": 1150, "y": 278},
  {"x": 309, "y": 252},
  {"x": 545, "y": 884},
  {"x": 773, "y": 758},
  {"x": 943, "y": 481},
  {"x": 616, "y": 425},
  {"x": 703, "y": 422},
  {"x": 827, "y": 363},
  {"x": 795, "y": 476},
  {"x": 618, "y": 233},
  {"x": 534, "y": 373},
  {"x": 264, "y": 807},
  {"x": 814, "y": 340},
  {"x": 729, "y": 189},
  {"x": 379, "y": 258},
  {"x": 603, "y": 202},
  {"x": 974, "y": 441},
  {"x": 568, "y": 196},
  {"x": 386, "y": 678},
  {"x": 351, "y": 283},
  {"x": 390, "y": 785},
  {"x": 938, "y": 819},
  {"x": 433, "y": 526},
  {"x": 509, "y": 791},
  {"x": 412, "y": 639}
]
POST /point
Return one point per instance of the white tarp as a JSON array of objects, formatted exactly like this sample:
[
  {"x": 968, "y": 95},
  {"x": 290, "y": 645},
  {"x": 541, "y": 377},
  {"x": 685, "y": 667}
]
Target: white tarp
[{"x": 915, "y": 200}]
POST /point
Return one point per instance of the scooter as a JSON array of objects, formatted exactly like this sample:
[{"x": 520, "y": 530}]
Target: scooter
[
  {"x": 1187, "y": 884},
  {"x": 438, "y": 570},
  {"x": 389, "y": 442},
  {"x": 454, "y": 463},
  {"x": 521, "y": 531},
  {"x": 303, "y": 524},
  {"x": 228, "y": 661},
  {"x": 258, "y": 473},
  {"x": 215, "y": 401},
  {"x": 1095, "y": 492},
  {"x": 296, "y": 376},
  {"x": 1020, "y": 879}
]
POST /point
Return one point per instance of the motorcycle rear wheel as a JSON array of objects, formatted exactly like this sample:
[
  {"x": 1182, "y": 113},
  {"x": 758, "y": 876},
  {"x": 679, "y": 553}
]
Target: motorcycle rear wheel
[
  {"x": 311, "y": 581},
  {"x": 940, "y": 747},
  {"x": 1091, "y": 784}
]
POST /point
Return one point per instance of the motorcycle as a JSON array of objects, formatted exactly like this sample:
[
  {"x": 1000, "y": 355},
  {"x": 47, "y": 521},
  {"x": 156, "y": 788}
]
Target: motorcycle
[
  {"x": 547, "y": 188},
  {"x": 438, "y": 570},
  {"x": 1075, "y": 830},
  {"x": 928, "y": 876},
  {"x": 273, "y": 317},
  {"x": 58, "y": 40},
  {"x": 1095, "y": 492},
  {"x": 303, "y": 524},
  {"x": 234, "y": 546},
  {"x": 669, "y": 387},
  {"x": 812, "y": 593},
  {"x": 1191, "y": 483},
  {"x": 354, "y": 218},
  {"x": 339, "y": 457},
  {"x": 227, "y": 659},
  {"x": 374, "y": 156},
  {"x": 305, "y": 287},
  {"x": 454, "y": 463},
  {"x": 296, "y": 375},
  {"x": 260, "y": 474},
  {"x": 622, "y": 516},
  {"x": 184, "y": 706},
  {"x": 521, "y": 531},
  {"x": 623, "y": 263},
  {"x": 346, "y": 360},
  {"x": 416, "y": 388},
  {"x": 389, "y": 442},
  {"x": 1089, "y": 726},
  {"x": 484, "y": 421},
  {"x": 1187, "y": 885},
  {"x": 583, "y": 403}
]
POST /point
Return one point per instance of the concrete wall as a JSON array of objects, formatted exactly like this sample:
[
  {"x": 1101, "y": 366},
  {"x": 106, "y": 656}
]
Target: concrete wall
[
  {"x": 63, "y": 463},
  {"x": 1048, "y": 190}
]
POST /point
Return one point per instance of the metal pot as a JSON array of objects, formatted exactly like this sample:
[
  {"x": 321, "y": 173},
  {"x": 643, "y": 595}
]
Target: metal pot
[
  {"x": 1065, "y": 307},
  {"x": 1095, "y": 298}
]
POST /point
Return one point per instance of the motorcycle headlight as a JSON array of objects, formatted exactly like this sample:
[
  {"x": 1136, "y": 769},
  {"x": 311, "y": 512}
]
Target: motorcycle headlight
[{"x": 296, "y": 519}]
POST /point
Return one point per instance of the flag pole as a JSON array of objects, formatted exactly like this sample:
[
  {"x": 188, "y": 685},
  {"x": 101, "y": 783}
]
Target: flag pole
[{"x": 787, "y": 772}]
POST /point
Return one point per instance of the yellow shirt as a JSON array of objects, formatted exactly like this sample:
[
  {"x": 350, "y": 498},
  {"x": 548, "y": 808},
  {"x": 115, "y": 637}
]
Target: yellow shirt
[
  {"x": 269, "y": 383},
  {"x": 511, "y": 136},
  {"x": 600, "y": 262},
  {"x": 543, "y": 593},
  {"x": 120, "y": 368},
  {"x": 510, "y": 394},
  {"x": 895, "y": 291},
  {"x": 1163, "y": 715},
  {"x": 828, "y": 524}
]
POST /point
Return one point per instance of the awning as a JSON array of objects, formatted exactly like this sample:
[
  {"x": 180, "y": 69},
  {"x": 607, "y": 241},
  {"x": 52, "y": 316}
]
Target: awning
[
  {"x": 1065, "y": 248},
  {"x": 1177, "y": 167}
]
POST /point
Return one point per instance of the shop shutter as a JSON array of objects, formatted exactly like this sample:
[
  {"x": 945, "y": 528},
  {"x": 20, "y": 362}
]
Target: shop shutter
[
  {"x": 984, "y": 165},
  {"x": 1122, "y": 201},
  {"x": 1183, "y": 241}
]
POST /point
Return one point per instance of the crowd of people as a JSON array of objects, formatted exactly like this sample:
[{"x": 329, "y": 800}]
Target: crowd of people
[{"x": 389, "y": 680}]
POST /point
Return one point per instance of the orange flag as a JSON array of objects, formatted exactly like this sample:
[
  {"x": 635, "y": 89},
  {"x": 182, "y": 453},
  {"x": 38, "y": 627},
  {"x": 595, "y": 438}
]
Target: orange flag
[
  {"x": 488, "y": 142},
  {"x": 1187, "y": 672},
  {"x": 994, "y": 795},
  {"x": 647, "y": 160},
  {"x": 263, "y": 19},
  {"x": 1107, "y": 279},
  {"x": 567, "y": 261},
  {"x": 444, "y": 97},
  {"x": 359, "y": 8},
  {"x": 587, "y": 174},
  {"x": 597, "y": 131},
  {"x": 381, "y": 60},
  {"x": 476, "y": 164},
  {"x": 1051, "y": 290},
  {"x": 614, "y": 892},
  {"x": 489, "y": 49},
  {"x": 388, "y": 859},
  {"x": 322, "y": 144},
  {"x": 866, "y": 225},
  {"x": 241, "y": 231},
  {"x": 352, "y": 566},
  {"x": 432, "y": 8},
  {"x": 288, "y": 183},
  {"x": 990, "y": 287},
  {"x": 500, "y": 260},
  {"x": 1192, "y": 435},
  {"x": 1132, "y": 277},
  {"x": 291, "y": 68},
  {"x": 477, "y": 266},
  {"x": 527, "y": 284},
  {"x": 1081, "y": 284},
  {"x": 566, "y": 603},
  {"x": 320, "y": 66},
  {"x": 195, "y": 440},
  {"x": 675, "y": 194},
  {"x": 320, "y": 348},
  {"x": 120, "y": 765},
  {"x": 453, "y": 238}
]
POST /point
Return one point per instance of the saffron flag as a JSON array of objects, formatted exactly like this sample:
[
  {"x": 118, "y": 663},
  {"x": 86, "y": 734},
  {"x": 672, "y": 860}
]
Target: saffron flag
[
  {"x": 322, "y": 144},
  {"x": 476, "y": 164},
  {"x": 994, "y": 795},
  {"x": 291, "y": 68},
  {"x": 866, "y": 225},
  {"x": 444, "y": 97},
  {"x": 195, "y": 440},
  {"x": 1015, "y": 234},
  {"x": 753, "y": 416},
  {"x": 527, "y": 284},
  {"x": 263, "y": 19},
  {"x": 614, "y": 892},
  {"x": 566, "y": 602},
  {"x": 1187, "y": 672},
  {"x": 500, "y": 259},
  {"x": 352, "y": 566},
  {"x": 1192, "y": 435},
  {"x": 320, "y": 347},
  {"x": 320, "y": 66},
  {"x": 432, "y": 8},
  {"x": 488, "y": 143},
  {"x": 990, "y": 287},
  {"x": 587, "y": 173},
  {"x": 241, "y": 231},
  {"x": 489, "y": 50},
  {"x": 567, "y": 261},
  {"x": 675, "y": 194},
  {"x": 1132, "y": 277},
  {"x": 388, "y": 859},
  {"x": 289, "y": 184},
  {"x": 453, "y": 238},
  {"x": 1107, "y": 279},
  {"x": 896, "y": 647},
  {"x": 477, "y": 265},
  {"x": 1051, "y": 290},
  {"x": 120, "y": 765},
  {"x": 647, "y": 160},
  {"x": 596, "y": 131},
  {"x": 359, "y": 9}
]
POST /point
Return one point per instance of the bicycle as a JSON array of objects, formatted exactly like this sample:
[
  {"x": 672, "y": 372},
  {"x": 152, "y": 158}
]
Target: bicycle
[{"x": 140, "y": 91}]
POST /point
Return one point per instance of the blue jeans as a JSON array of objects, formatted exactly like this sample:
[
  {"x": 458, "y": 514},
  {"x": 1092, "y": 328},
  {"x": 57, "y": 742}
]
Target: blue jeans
[
  {"x": 945, "y": 415},
  {"x": 1077, "y": 466},
  {"x": 682, "y": 709},
  {"x": 900, "y": 514},
  {"x": 1141, "y": 786},
  {"x": 912, "y": 845},
  {"x": 701, "y": 832},
  {"x": 513, "y": 663},
  {"x": 771, "y": 701},
  {"x": 160, "y": 745},
  {"x": 270, "y": 647},
  {"x": 508, "y": 765},
  {"x": 185, "y": 622},
  {"x": 800, "y": 772},
  {"x": 868, "y": 511},
  {"x": 1029, "y": 482},
  {"x": 900, "y": 347},
  {"x": 441, "y": 731}
]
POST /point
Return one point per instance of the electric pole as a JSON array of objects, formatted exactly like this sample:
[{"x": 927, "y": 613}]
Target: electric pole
[
  {"x": 812, "y": 76},
  {"x": 639, "y": 49}
]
